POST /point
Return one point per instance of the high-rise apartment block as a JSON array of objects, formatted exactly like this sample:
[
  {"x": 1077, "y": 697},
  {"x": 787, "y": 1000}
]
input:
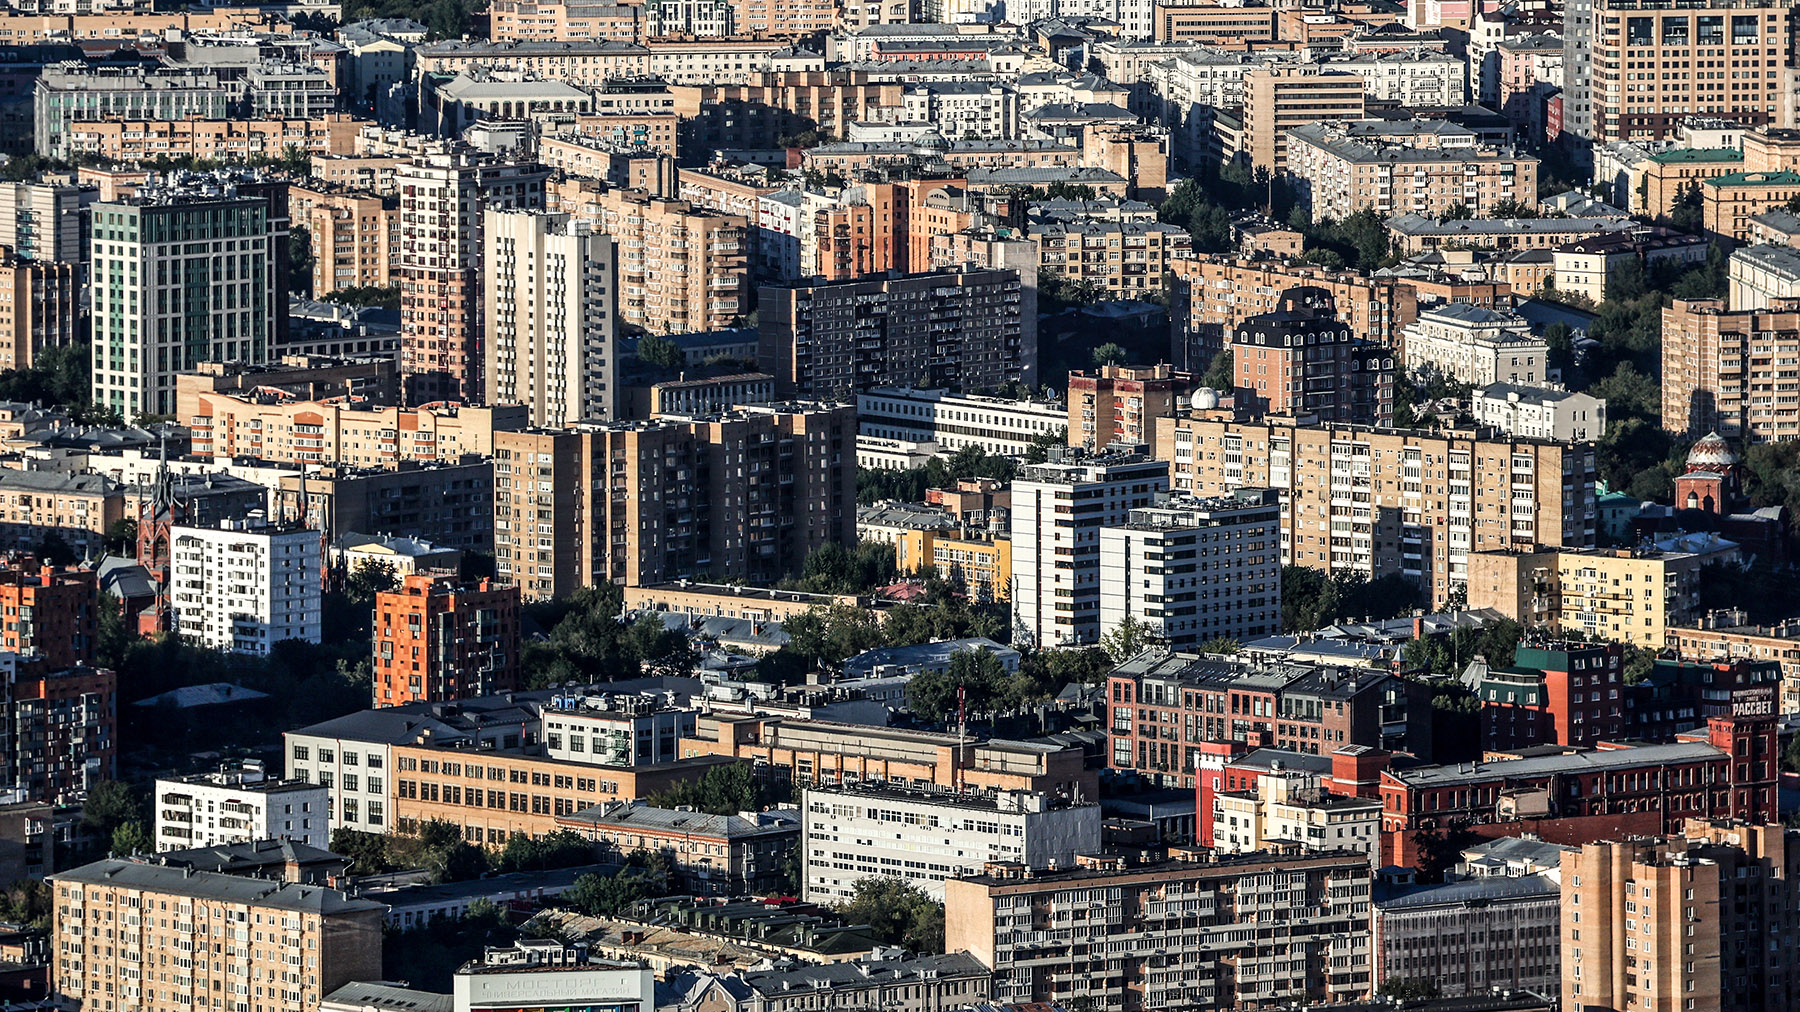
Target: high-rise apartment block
[
  {"x": 245, "y": 586},
  {"x": 42, "y": 221},
  {"x": 355, "y": 235},
  {"x": 1359, "y": 499},
  {"x": 550, "y": 292},
  {"x": 1302, "y": 361},
  {"x": 181, "y": 274},
  {"x": 206, "y": 923},
  {"x": 1695, "y": 920},
  {"x": 1655, "y": 65},
  {"x": 1058, "y": 509},
  {"x": 40, "y": 307},
  {"x": 682, "y": 268},
  {"x": 60, "y": 730},
  {"x": 1192, "y": 931},
  {"x": 1278, "y": 99},
  {"x": 444, "y": 198},
  {"x": 1191, "y": 570},
  {"x": 1121, "y": 403},
  {"x": 745, "y": 495},
  {"x": 959, "y": 330},
  {"x": 1722, "y": 370},
  {"x": 52, "y": 616},
  {"x": 437, "y": 640}
]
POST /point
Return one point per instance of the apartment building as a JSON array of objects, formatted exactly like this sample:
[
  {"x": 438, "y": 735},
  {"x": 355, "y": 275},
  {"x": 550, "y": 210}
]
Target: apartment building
[
  {"x": 79, "y": 508},
  {"x": 1413, "y": 234},
  {"x": 1554, "y": 694},
  {"x": 681, "y": 268},
  {"x": 66, "y": 96},
  {"x": 1125, "y": 258},
  {"x": 1475, "y": 345},
  {"x": 437, "y": 639},
  {"x": 1586, "y": 267},
  {"x": 1215, "y": 295},
  {"x": 1721, "y": 637},
  {"x": 41, "y": 221},
  {"x": 444, "y": 197},
  {"x": 39, "y": 308},
  {"x": 1341, "y": 168},
  {"x": 709, "y": 855},
  {"x": 1275, "y": 930},
  {"x": 1301, "y": 361},
  {"x": 1721, "y": 369},
  {"x": 1191, "y": 570},
  {"x": 851, "y": 834},
  {"x": 1058, "y": 509},
  {"x": 807, "y": 752},
  {"x": 1728, "y": 202},
  {"x": 164, "y": 301},
  {"x": 1661, "y": 922},
  {"x": 1277, "y": 100},
  {"x": 758, "y": 604},
  {"x": 448, "y": 503},
  {"x": 283, "y": 429},
  {"x": 1416, "y": 78},
  {"x": 1534, "y": 412},
  {"x": 1645, "y": 80},
  {"x": 355, "y": 236},
  {"x": 245, "y": 586},
  {"x": 1725, "y": 770},
  {"x": 746, "y": 494},
  {"x": 1377, "y": 502},
  {"x": 981, "y": 564},
  {"x": 1761, "y": 275},
  {"x": 955, "y": 330},
  {"x": 53, "y": 615},
  {"x": 110, "y": 918},
  {"x": 1212, "y": 24},
  {"x": 62, "y": 731},
  {"x": 1122, "y": 403},
  {"x": 130, "y": 140},
  {"x": 527, "y": 21},
  {"x": 1473, "y": 934},
  {"x": 1633, "y": 595},
  {"x": 239, "y": 804},
  {"x": 1291, "y": 811},
  {"x": 1167, "y": 705},
  {"x": 551, "y": 290},
  {"x": 998, "y": 425},
  {"x": 615, "y": 729}
]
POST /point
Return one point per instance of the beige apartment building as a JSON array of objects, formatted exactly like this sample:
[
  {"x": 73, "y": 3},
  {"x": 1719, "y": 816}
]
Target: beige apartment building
[
  {"x": 531, "y": 21},
  {"x": 1377, "y": 501},
  {"x": 287, "y": 430},
  {"x": 1656, "y": 64},
  {"x": 22, "y": 29},
  {"x": 1729, "y": 202},
  {"x": 743, "y": 495},
  {"x": 1278, "y": 99},
  {"x": 129, "y": 934},
  {"x": 1124, "y": 258},
  {"x": 354, "y": 235},
  {"x": 681, "y": 268},
  {"x": 1630, "y": 595},
  {"x": 832, "y": 99},
  {"x": 211, "y": 139},
  {"x": 1698, "y": 921},
  {"x": 1214, "y": 295},
  {"x": 549, "y": 289},
  {"x": 1340, "y": 173},
  {"x": 40, "y": 302},
  {"x": 1731, "y": 372}
]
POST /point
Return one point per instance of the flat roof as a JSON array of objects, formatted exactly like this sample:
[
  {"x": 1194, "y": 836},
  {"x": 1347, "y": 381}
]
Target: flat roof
[
  {"x": 208, "y": 885},
  {"x": 1576, "y": 763}
]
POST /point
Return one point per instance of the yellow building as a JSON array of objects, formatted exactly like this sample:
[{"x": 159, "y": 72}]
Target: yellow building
[
  {"x": 981, "y": 564},
  {"x": 1729, "y": 202},
  {"x": 1278, "y": 99},
  {"x": 1627, "y": 595},
  {"x": 354, "y": 235},
  {"x": 272, "y": 427}
]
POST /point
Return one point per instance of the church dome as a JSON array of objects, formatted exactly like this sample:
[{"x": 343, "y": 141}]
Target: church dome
[{"x": 1711, "y": 453}]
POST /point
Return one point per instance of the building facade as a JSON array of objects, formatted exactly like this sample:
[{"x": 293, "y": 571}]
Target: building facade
[
  {"x": 1720, "y": 370},
  {"x": 1191, "y": 570},
  {"x": 1476, "y": 346},
  {"x": 550, "y": 295},
  {"x": 243, "y": 587},
  {"x": 239, "y": 805},
  {"x": 437, "y": 640}
]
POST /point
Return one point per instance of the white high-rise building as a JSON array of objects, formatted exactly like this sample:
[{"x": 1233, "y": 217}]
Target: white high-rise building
[
  {"x": 1058, "y": 509},
  {"x": 857, "y": 832},
  {"x": 183, "y": 272},
  {"x": 1195, "y": 569},
  {"x": 551, "y": 287},
  {"x": 240, "y": 804},
  {"x": 245, "y": 586}
]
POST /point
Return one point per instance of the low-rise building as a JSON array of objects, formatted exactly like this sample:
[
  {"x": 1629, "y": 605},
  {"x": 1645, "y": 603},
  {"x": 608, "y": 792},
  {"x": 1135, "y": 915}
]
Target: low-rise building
[
  {"x": 924, "y": 838},
  {"x": 1585, "y": 266},
  {"x": 615, "y": 729},
  {"x": 1343, "y": 168},
  {"x": 1471, "y": 935},
  {"x": 237, "y": 804},
  {"x": 998, "y": 425},
  {"x": 1291, "y": 811},
  {"x": 537, "y": 975},
  {"x": 979, "y": 563},
  {"x": 1726, "y": 635},
  {"x": 1264, "y": 929},
  {"x": 78, "y": 509},
  {"x": 710, "y": 855},
  {"x": 724, "y": 600},
  {"x": 280, "y": 427},
  {"x": 1760, "y": 276},
  {"x": 1539, "y": 412},
  {"x": 1476, "y": 346},
  {"x": 1416, "y": 233},
  {"x": 926, "y": 658},
  {"x": 1728, "y": 202}
]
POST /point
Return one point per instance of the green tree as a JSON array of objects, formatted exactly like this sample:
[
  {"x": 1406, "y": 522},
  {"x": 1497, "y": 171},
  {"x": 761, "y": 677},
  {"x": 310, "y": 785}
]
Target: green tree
[
  {"x": 1126, "y": 640},
  {"x": 121, "y": 536},
  {"x": 660, "y": 352},
  {"x": 1110, "y": 353},
  {"x": 606, "y": 895},
  {"x": 300, "y": 259},
  {"x": 367, "y": 851},
  {"x": 897, "y": 913},
  {"x": 364, "y": 295},
  {"x": 1308, "y": 599},
  {"x": 984, "y": 682},
  {"x": 109, "y": 805},
  {"x": 130, "y": 839},
  {"x": 1403, "y": 989},
  {"x": 722, "y": 790},
  {"x": 561, "y": 849},
  {"x": 1219, "y": 645},
  {"x": 1219, "y": 374},
  {"x": 371, "y": 577}
]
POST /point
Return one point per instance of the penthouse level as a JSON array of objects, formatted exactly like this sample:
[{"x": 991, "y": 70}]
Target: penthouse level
[
  {"x": 1726, "y": 770},
  {"x": 1167, "y": 706}
]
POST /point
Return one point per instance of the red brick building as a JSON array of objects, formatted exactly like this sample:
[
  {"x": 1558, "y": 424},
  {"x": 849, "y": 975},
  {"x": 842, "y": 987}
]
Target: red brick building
[
  {"x": 437, "y": 640},
  {"x": 50, "y": 615},
  {"x": 64, "y": 736},
  {"x": 1729, "y": 771},
  {"x": 1166, "y": 707},
  {"x": 1555, "y": 694}
]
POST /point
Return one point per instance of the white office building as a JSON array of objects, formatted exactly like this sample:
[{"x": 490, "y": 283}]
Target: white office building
[
  {"x": 245, "y": 586},
  {"x": 541, "y": 974},
  {"x": 1195, "y": 569},
  {"x": 1540, "y": 412},
  {"x": 1476, "y": 345},
  {"x": 1058, "y": 511},
  {"x": 999, "y": 425},
  {"x": 240, "y": 804},
  {"x": 1291, "y": 809},
  {"x": 854, "y": 833},
  {"x": 609, "y": 730},
  {"x": 551, "y": 294}
]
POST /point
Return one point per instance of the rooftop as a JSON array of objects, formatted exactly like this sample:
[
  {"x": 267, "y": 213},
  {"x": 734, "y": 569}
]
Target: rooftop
[
  {"x": 383, "y": 996},
  {"x": 1485, "y": 890},
  {"x": 690, "y": 823},
  {"x": 1754, "y": 179},
  {"x": 1424, "y": 777},
  {"x": 1682, "y": 155},
  {"x": 208, "y": 885}
]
